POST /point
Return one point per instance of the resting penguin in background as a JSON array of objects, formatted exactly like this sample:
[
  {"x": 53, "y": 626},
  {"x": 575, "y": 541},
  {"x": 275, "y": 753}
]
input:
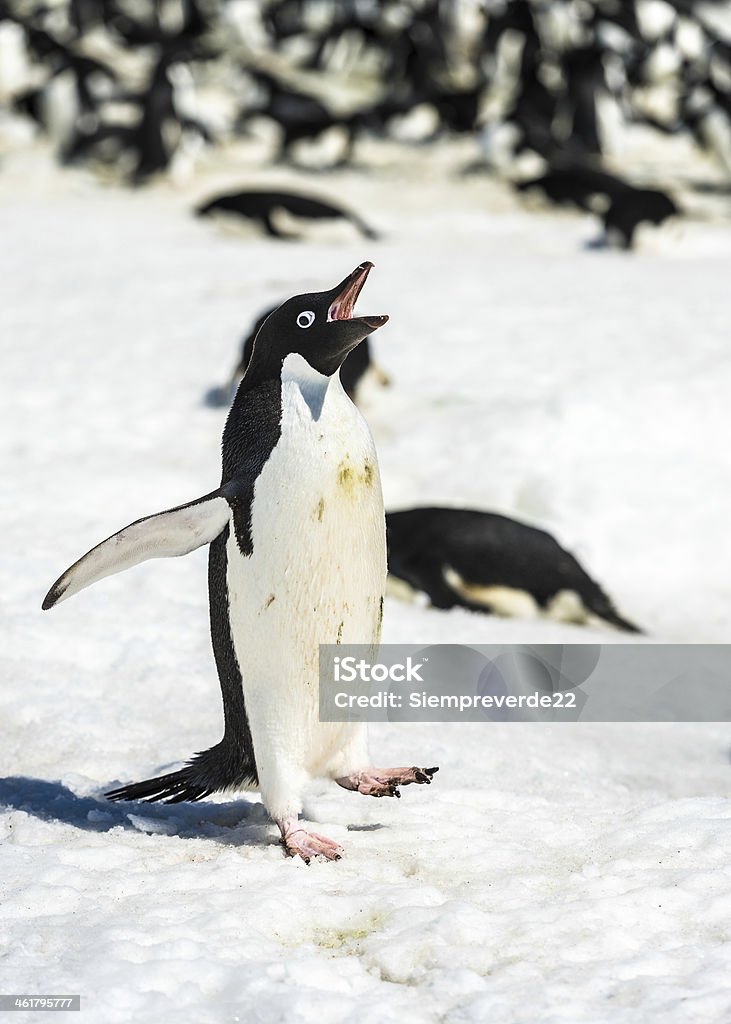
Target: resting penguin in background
[
  {"x": 622, "y": 207},
  {"x": 261, "y": 206},
  {"x": 297, "y": 559},
  {"x": 357, "y": 363},
  {"x": 489, "y": 563}
]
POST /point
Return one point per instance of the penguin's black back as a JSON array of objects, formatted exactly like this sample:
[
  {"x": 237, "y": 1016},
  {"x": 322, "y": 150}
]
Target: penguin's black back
[
  {"x": 252, "y": 431},
  {"x": 575, "y": 185},
  {"x": 230, "y": 764},
  {"x": 483, "y": 547}
]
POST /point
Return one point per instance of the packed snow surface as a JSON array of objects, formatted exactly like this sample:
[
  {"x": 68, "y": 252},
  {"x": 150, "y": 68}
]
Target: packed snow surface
[{"x": 553, "y": 874}]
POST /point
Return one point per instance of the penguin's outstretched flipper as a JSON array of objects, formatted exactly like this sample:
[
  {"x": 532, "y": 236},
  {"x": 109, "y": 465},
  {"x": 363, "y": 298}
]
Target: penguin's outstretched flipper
[{"x": 165, "y": 535}]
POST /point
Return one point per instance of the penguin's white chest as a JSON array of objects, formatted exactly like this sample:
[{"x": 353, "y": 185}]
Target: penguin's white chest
[{"x": 318, "y": 568}]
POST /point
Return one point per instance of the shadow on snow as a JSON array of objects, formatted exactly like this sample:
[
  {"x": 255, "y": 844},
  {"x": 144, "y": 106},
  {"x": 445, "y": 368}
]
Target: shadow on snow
[{"x": 237, "y": 823}]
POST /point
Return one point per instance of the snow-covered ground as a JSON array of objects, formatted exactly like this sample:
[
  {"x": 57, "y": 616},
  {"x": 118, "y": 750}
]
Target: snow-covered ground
[{"x": 552, "y": 874}]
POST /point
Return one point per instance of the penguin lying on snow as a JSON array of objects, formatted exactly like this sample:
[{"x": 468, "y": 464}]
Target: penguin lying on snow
[
  {"x": 624, "y": 206},
  {"x": 357, "y": 363},
  {"x": 261, "y": 206},
  {"x": 489, "y": 563},
  {"x": 300, "y": 497}
]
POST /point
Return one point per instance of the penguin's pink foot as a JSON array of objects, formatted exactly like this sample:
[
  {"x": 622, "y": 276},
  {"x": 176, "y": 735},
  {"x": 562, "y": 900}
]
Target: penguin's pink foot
[
  {"x": 385, "y": 781},
  {"x": 299, "y": 843}
]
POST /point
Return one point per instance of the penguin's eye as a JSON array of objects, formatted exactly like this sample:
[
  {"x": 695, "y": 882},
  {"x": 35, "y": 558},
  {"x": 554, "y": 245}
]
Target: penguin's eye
[{"x": 306, "y": 319}]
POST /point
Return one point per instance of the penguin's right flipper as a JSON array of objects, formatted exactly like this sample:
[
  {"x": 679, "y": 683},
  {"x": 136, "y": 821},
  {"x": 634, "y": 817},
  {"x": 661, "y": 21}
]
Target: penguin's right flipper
[{"x": 165, "y": 535}]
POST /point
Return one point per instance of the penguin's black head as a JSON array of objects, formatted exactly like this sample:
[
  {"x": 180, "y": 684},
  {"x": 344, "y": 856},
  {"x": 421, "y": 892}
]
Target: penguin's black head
[{"x": 319, "y": 326}]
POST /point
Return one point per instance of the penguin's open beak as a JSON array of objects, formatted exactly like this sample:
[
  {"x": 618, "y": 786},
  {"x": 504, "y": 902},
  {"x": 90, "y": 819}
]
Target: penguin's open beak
[{"x": 346, "y": 295}]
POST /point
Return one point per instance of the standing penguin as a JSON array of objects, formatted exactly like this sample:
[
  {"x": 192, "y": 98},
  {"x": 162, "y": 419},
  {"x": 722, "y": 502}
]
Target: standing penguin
[{"x": 297, "y": 558}]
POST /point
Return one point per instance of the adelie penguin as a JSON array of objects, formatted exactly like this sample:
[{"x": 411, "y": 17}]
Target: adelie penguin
[
  {"x": 263, "y": 208},
  {"x": 490, "y": 563},
  {"x": 297, "y": 558},
  {"x": 623, "y": 207}
]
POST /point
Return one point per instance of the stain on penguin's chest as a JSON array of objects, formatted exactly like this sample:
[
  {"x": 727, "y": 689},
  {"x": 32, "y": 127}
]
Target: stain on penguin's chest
[{"x": 352, "y": 477}]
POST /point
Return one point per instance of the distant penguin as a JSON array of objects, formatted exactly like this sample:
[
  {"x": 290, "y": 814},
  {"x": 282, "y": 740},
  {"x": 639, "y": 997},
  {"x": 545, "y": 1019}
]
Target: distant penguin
[
  {"x": 489, "y": 563},
  {"x": 299, "y": 115},
  {"x": 69, "y": 94},
  {"x": 297, "y": 558},
  {"x": 621, "y": 206},
  {"x": 628, "y": 210},
  {"x": 357, "y": 364},
  {"x": 585, "y": 84},
  {"x": 261, "y": 207},
  {"x": 157, "y": 134},
  {"x": 574, "y": 185}
]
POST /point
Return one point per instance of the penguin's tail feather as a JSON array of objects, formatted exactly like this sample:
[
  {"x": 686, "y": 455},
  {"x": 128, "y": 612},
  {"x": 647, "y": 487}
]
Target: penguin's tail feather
[
  {"x": 221, "y": 767},
  {"x": 615, "y": 619},
  {"x": 601, "y": 606}
]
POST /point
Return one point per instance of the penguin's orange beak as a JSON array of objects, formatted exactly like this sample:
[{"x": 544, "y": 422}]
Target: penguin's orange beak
[{"x": 346, "y": 295}]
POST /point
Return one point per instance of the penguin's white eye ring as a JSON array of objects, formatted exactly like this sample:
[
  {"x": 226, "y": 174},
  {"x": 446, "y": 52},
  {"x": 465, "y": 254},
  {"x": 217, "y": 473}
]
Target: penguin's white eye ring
[{"x": 306, "y": 318}]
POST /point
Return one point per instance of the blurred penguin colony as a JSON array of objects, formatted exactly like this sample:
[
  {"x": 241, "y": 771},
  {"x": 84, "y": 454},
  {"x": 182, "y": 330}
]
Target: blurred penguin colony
[
  {"x": 144, "y": 86},
  {"x": 544, "y": 89}
]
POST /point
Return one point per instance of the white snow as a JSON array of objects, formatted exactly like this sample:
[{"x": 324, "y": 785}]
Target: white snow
[{"x": 552, "y": 874}]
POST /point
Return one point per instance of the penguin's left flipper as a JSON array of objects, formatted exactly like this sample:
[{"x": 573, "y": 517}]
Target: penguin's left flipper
[{"x": 165, "y": 535}]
